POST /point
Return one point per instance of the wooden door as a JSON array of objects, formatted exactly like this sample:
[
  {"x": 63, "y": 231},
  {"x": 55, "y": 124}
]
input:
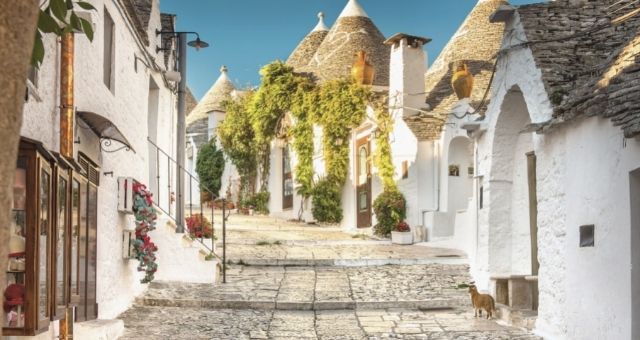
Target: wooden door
[{"x": 363, "y": 182}]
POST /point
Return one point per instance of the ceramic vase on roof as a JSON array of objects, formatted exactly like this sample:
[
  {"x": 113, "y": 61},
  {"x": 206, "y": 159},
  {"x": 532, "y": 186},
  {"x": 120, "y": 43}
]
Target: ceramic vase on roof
[{"x": 362, "y": 71}]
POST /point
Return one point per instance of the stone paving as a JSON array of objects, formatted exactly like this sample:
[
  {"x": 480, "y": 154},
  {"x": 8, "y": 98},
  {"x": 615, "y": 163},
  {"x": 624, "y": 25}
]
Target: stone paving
[
  {"x": 196, "y": 323},
  {"x": 321, "y": 288},
  {"x": 295, "y": 281}
]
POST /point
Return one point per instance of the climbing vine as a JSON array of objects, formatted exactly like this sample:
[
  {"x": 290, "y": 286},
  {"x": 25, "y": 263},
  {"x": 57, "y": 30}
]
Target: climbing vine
[
  {"x": 238, "y": 142},
  {"x": 382, "y": 157},
  {"x": 267, "y": 110},
  {"x": 343, "y": 106},
  {"x": 146, "y": 216},
  {"x": 304, "y": 109},
  {"x": 337, "y": 106}
]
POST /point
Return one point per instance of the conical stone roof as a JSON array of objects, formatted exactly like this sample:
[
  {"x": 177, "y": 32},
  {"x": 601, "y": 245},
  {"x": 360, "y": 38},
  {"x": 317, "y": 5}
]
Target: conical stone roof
[
  {"x": 212, "y": 101},
  {"x": 309, "y": 45},
  {"x": 353, "y": 31}
]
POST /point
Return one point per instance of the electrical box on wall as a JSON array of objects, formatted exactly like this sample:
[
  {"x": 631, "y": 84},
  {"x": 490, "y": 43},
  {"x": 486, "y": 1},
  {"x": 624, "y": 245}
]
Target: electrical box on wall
[
  {"x": 125, "y": 194},
  {"x": 587, "y": 236}
]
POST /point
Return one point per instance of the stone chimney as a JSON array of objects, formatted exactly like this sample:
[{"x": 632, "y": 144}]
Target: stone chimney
[{"x": 406, "y": 78}]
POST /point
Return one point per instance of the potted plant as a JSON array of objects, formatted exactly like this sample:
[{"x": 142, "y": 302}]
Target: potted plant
[{"x": 401, "y": 234}]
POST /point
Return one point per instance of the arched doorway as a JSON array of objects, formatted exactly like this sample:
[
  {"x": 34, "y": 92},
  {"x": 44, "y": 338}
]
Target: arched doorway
[{"x": 512, "y": 197}]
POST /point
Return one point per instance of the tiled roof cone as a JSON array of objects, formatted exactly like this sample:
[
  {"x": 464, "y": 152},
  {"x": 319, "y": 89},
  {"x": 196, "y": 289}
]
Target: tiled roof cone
[
  {"x": 212, "y": 100},
  {"x": 353, "y": 32},
  {"x": 301, "y": 56}
]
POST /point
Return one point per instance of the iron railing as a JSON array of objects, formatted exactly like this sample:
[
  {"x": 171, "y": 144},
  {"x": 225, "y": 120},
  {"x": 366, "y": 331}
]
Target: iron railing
[{"x": 164, "y": 200}]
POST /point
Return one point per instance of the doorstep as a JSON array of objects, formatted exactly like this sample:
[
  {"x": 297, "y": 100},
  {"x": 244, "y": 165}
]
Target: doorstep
[
  {"x": 98, "y": 330},
  {"x": 521, "y": 318}
]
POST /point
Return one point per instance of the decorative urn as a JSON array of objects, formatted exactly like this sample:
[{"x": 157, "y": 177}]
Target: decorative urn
[
  {"x": 462, "y": 81},
  {"x": 362, "y": 70}
]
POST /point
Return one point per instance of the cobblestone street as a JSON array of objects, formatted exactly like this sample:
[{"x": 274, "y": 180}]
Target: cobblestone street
[{"x": 291, "y": 281}]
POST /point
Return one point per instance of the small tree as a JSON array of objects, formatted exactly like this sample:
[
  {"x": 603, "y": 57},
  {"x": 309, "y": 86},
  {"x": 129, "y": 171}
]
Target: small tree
[
  {"x": 210, "y": 167},
  {"x": 238, "y": 143}
]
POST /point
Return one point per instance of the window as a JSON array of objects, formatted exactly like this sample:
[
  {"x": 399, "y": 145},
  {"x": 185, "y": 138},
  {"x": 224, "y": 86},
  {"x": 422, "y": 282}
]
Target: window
[
  {"x": 287, "y": 180},
  {"x": 109, "y": 49},
  {"x": 62, "y": 225},
  {"x": 43, "y": 242},
  {"x": 52, "y": 244},
  {"x": 405, "y": 169},
  {"x": 454, "y": 170}
]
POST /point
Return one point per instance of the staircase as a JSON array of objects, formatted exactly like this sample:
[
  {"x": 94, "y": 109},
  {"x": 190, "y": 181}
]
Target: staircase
[{"x": 181, "y": 258}]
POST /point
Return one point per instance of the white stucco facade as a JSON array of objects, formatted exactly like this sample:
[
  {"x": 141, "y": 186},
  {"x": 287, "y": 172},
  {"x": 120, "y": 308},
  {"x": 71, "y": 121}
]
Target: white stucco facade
[
  {"x": 584, "y": 170},
  {"x": 142, "y": 105}
]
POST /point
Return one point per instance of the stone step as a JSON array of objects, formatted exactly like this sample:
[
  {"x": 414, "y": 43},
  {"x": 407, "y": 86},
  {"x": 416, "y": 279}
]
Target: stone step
[
  {"x": 435, "y": 304},
  {"x": 525, "y": 319},
  {"x": 298, "y": 262},
  {"x": 432, "y": 286}
]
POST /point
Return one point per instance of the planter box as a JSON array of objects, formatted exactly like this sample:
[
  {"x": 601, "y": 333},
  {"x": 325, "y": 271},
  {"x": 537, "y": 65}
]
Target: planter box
[
  {"x": 125, "y": 195},
  {"x": 401, "y": 238}
]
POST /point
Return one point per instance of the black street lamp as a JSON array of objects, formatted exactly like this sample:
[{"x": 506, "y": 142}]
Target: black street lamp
[{"x": 181, "y": 133}]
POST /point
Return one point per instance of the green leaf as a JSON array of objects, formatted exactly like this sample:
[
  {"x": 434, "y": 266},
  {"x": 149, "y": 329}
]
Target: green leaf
[
  {"x": 75, "y": 22},
  {"x": 37, "y": 55},
  {"x": 59, "y": 9},
  {"x": 69, "y": 4},
  {"x": 86, "y": 5},
  {"x": 47, "y": 24},
  {"x": 87, "y": 28}
]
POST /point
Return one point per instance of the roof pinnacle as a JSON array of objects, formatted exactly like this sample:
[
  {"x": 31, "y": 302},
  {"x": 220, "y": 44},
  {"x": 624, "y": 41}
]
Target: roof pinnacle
[
  {"x": 353, "y": 9},
  {"x": 321, "y": 25}
]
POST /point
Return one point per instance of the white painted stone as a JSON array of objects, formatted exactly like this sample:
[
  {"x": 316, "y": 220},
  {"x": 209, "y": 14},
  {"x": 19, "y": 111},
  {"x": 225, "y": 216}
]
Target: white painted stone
[
  {"x": 320, "y": 27},
  {"x": 353, "y": 9},
  {"x": 128, "y": 107}
]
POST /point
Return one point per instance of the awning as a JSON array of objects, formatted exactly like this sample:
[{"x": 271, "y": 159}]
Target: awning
[{"x": 104, "y": 128}]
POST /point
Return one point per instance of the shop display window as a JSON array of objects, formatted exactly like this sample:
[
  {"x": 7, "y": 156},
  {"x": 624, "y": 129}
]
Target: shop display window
[{"x": 52, "y": 244}]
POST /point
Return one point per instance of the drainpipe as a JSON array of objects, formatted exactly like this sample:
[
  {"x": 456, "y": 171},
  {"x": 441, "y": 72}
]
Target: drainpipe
[{"x": 67, "y": 114}]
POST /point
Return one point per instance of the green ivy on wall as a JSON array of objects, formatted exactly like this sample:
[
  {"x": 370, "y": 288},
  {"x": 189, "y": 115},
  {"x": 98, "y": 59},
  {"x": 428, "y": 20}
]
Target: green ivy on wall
[
  {"x": 382, "y": 157},
  {"x": 343, "y": 106},
  {"x": 338, "y": 106},
  {"x": 267, "y": 109},
  {"x": 304, "y": 109}
]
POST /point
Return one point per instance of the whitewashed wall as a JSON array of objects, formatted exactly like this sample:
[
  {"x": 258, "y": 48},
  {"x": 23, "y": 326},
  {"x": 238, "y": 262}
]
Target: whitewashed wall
[
  {"x": 583, "y": 172},
  {"x": 118, "y": 279}
]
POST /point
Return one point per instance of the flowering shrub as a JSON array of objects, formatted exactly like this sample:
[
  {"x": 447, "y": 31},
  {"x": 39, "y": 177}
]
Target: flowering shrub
[
  {"x": 390, "y": 210},
  {"x": 146, "y": 216},
  {"x": 199, "y": 227},
  {"x": 402, "y": 227}
]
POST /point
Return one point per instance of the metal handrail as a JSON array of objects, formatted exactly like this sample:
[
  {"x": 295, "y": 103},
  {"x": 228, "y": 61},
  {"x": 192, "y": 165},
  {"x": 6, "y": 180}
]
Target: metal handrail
[{"x": 171, "y": 162}]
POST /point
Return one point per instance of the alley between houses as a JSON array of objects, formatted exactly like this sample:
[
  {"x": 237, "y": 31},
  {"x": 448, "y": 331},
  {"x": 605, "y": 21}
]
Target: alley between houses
[{"x": 294, "y": 281}]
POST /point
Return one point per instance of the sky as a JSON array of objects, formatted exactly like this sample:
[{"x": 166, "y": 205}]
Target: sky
[{"x": 246, "y": 34}]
